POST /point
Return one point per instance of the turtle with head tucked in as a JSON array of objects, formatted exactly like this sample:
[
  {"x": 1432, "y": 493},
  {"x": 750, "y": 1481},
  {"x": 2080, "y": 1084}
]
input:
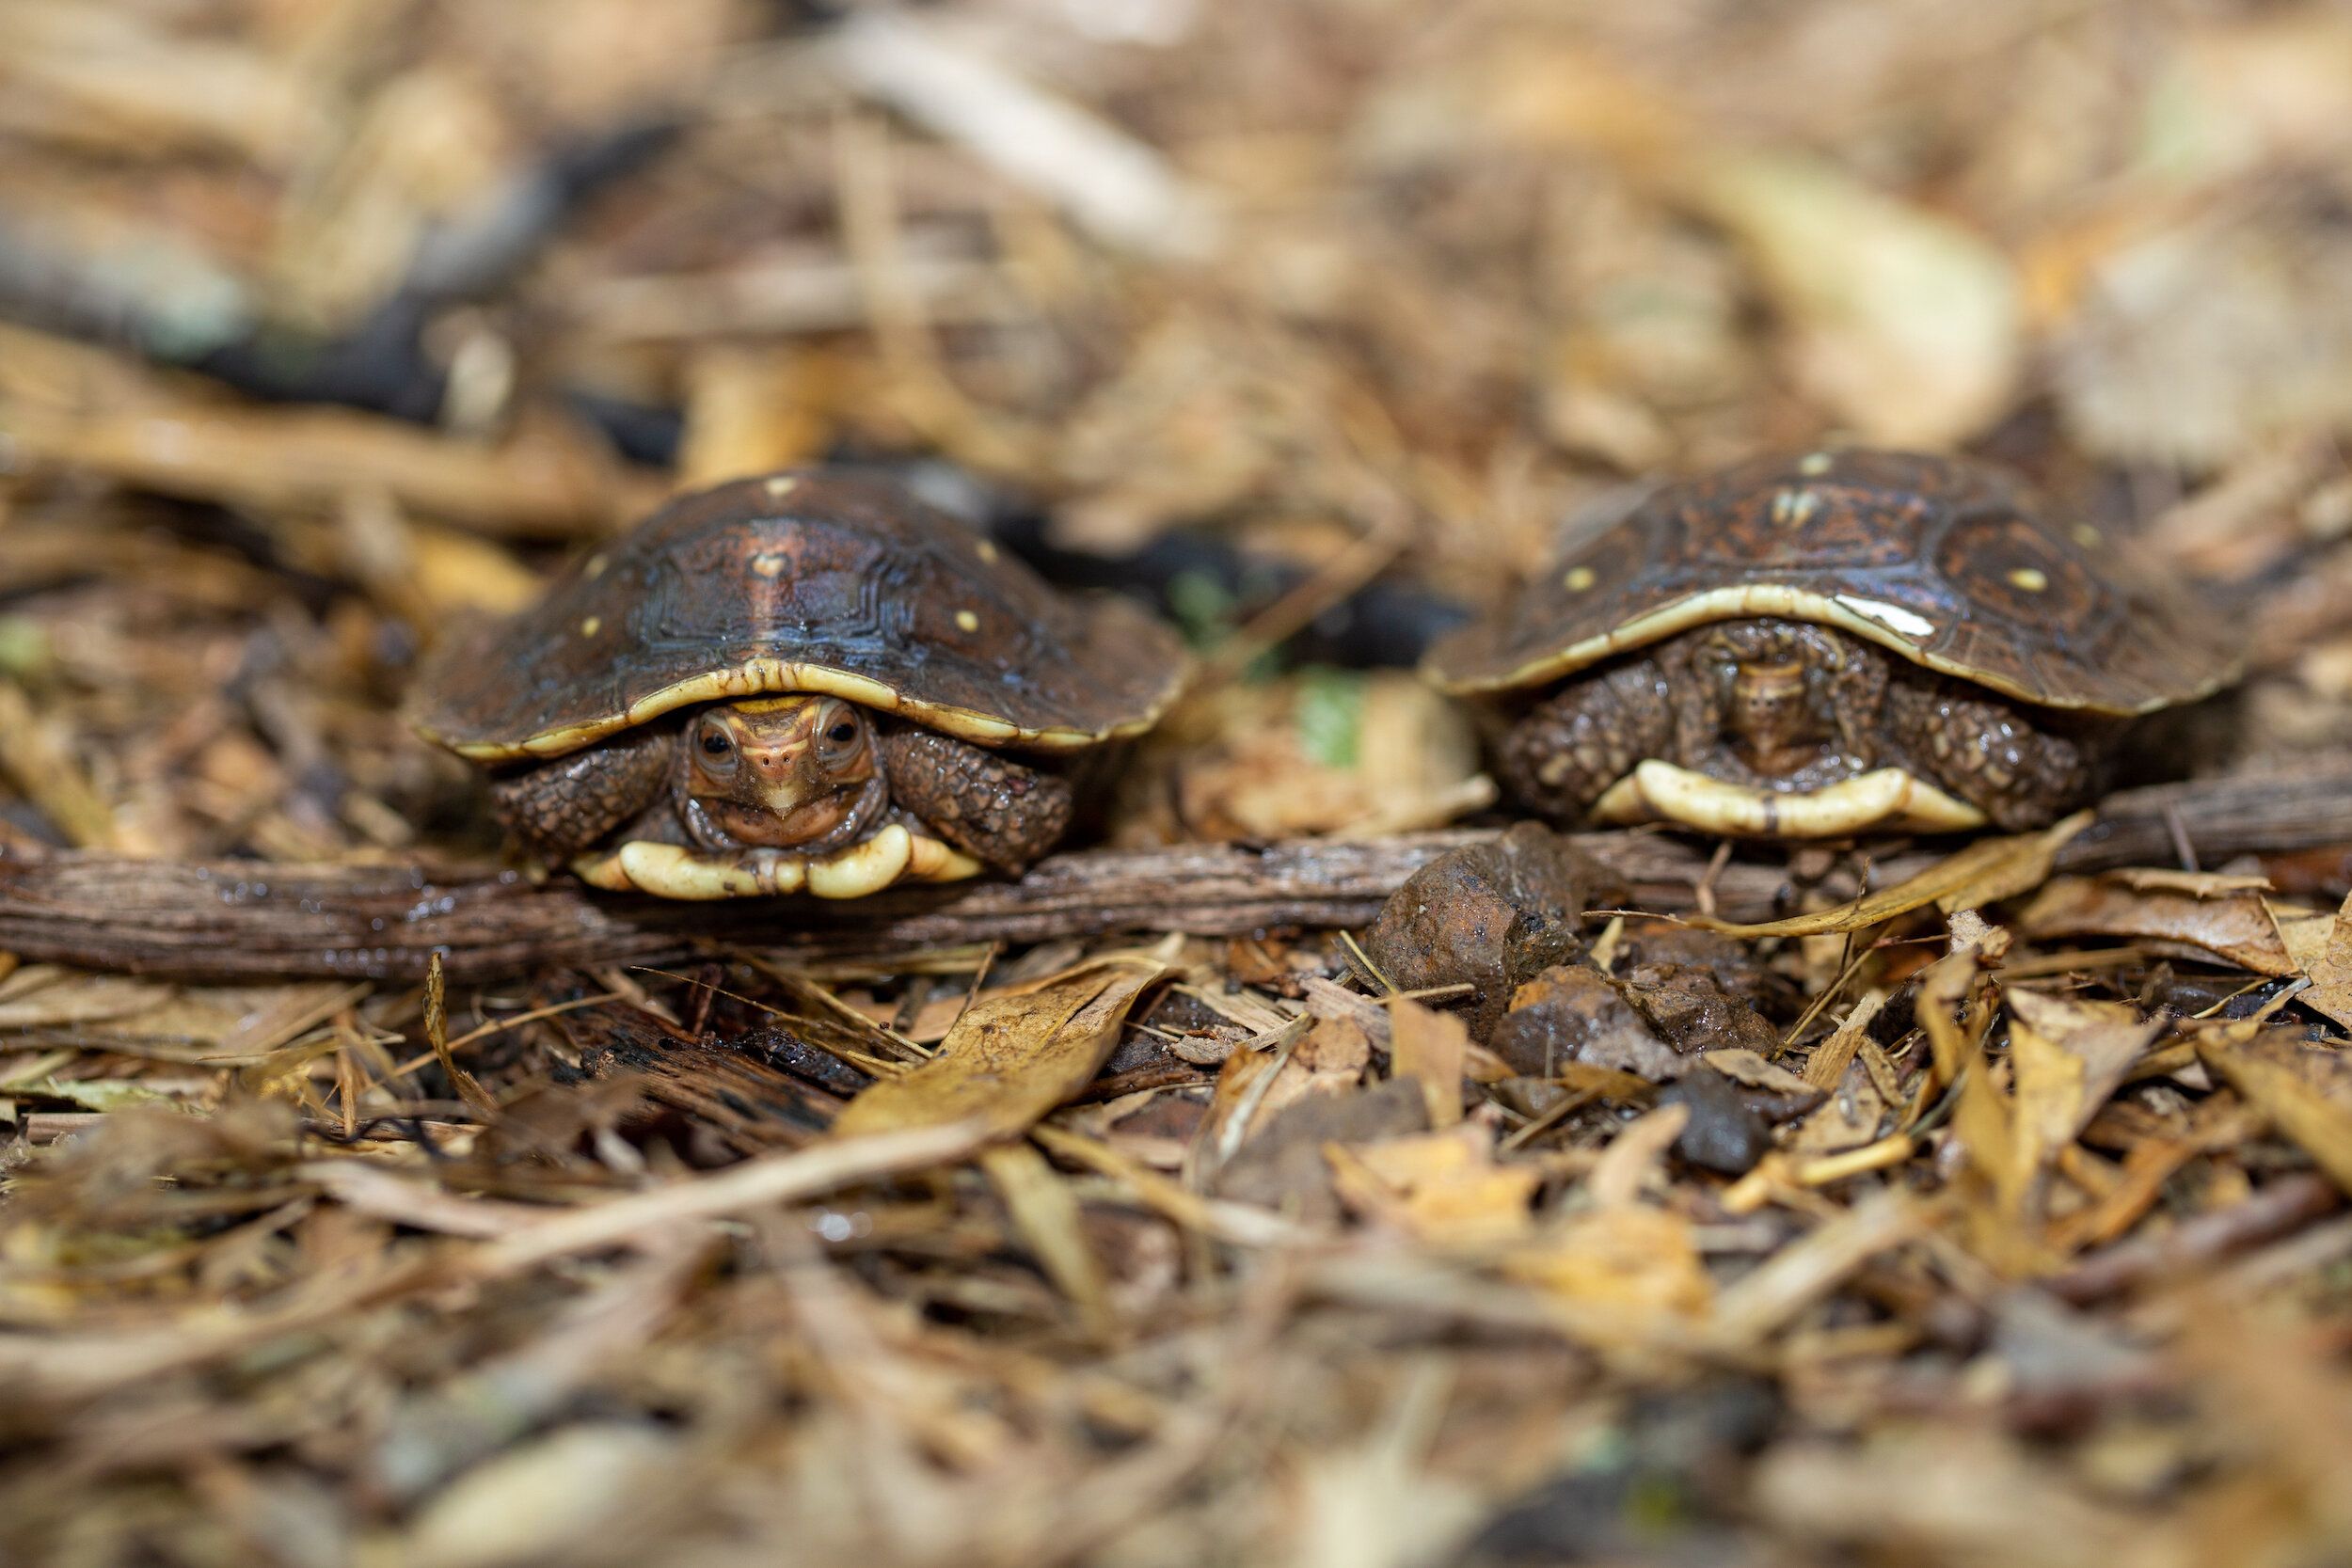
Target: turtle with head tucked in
[
  {"x": 807, "y": 682},
  {"x": 1827, "y": 643}
]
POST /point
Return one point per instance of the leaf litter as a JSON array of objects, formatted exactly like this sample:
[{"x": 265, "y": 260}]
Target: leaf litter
[{"x": 1990, "y": 1211}]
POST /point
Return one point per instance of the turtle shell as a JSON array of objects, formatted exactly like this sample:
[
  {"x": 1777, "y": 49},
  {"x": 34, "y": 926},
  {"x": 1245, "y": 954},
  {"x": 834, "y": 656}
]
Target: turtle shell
[
  {"x": 803, "y": 581},
  {"x": 1944, "y": 560}
]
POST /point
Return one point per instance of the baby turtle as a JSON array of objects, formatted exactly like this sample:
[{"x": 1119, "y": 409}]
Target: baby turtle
[
  {"x": 807, "y": 681},
  {"x": 1810, "y": 646}
]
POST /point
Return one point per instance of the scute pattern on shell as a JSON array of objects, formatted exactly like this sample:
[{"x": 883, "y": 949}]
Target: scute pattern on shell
[
  {"x": 768, "y": 584},
  {"x": 1944, "y": 560}
]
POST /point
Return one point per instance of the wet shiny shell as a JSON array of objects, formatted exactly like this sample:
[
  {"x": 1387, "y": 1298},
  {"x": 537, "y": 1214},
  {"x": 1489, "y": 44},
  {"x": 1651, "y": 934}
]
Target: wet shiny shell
[
  {"x": 805, "y": 581},
  {"x": 1944, "y": 560}
]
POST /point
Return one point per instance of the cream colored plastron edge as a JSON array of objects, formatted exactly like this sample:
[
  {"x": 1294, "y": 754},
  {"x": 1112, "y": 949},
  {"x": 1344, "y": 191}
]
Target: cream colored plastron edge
[
  {"x": 674, "y": 871},
  {"x": 1886, "y": 797},
  {"x": 777, "y": 677},
  {"x": 1891, "y": 626}
]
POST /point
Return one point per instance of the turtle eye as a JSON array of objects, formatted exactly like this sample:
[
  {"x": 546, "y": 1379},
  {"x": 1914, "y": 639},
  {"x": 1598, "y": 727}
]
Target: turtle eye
[
  {"x": 840, "y": 739},
  {"x": 716, "y": 745}
]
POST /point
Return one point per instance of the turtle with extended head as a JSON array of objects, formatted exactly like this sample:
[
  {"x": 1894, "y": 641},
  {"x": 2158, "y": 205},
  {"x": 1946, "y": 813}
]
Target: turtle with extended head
[
  {"x": 807, "y": 682},
  {"x": 1822, "y": 644}
]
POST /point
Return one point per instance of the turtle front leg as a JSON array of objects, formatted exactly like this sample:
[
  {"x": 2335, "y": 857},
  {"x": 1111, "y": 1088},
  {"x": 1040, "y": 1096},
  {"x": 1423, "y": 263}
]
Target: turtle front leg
[
  {"x": 983, "y": 802},
  {"x": 1573, "y": 745},
  {"x": 1991, "y": 755},
  {"x": 559, "y": 808}
]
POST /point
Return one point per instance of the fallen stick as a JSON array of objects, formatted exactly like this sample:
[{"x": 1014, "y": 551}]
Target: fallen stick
[{"x": 252, "y": 918}]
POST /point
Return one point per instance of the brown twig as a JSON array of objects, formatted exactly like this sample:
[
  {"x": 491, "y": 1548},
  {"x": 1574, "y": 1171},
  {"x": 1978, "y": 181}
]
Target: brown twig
[{"x": 251, "y": 918}]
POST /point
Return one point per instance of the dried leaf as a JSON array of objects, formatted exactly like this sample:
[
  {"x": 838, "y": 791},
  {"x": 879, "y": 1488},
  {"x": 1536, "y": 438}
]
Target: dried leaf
[
  {"x": 1011, "y": 1059},
  {"x": 1123, "y": 190},
  {"x": 1848, "y": 1119},
  {"x": 2303, "y": 1090},
  {"x": 1745, "y": 1067},
  {"x": 1955, "y": 1009},
  {"x": 1045, "y": 1211},
  {"x": 1443, "y": 1187},
  {"x": 1908, "y": 326},
  {"x": 1635, "y": 1157},
  {"x": 1828, "y": 1063},
  {"x": 2068, "y": 1057},
  {"x": 1430, "y": 1048},
  {"x": 1985, "y": 872},
  {"x": 2234, "y": 927},
  {"x": 582, "y": 1485},
  {"x": 1628, "y": 1256},
  {"x": 2330, "y": 990}
]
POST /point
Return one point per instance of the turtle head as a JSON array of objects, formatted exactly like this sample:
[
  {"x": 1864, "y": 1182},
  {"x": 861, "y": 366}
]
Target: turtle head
[
  {"x": 1778, "y": 690},
  {"x": 1774, "y": 716},
  {"x": 792, "y": 771}
]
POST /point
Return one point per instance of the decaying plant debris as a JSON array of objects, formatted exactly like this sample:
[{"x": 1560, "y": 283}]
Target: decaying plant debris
[{"x": 1606, "y": 1199}]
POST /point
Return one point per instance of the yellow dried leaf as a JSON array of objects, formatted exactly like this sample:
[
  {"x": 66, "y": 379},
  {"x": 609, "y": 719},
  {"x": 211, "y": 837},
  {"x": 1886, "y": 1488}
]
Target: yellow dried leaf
[
  {"x": 1635, "y": 1156},
  {"x": 2068, "y": 1057},
  {"x": 1909, "y": 326},
  {"x": 1984, "y": 872},
  {"x": 1430, "y": 1048},
  {"x": 1011, "y": 1059},
  {"x": 1827, "y": 1066},
  {"x": 1045, "y": 1212},
  {"x": 1628, "y": 1256},
  {"x": 2305, "y": 1091},
  {"x": 568, "y": 1491},
  {"x": 1955, "y": 1013},
  {"x": 455, "y": 572},
  {"x": 1236, "y": 1100},
  {"x": 1443, "y": 1187},
  {"x": 1848, "y": 1119},
  {"x": 2330, "y": 970}
]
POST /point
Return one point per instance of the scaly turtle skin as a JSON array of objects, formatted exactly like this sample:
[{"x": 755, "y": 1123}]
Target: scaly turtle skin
[
  {"x": 807, "y": 682},
  {"x": 1814, "y": 645}
]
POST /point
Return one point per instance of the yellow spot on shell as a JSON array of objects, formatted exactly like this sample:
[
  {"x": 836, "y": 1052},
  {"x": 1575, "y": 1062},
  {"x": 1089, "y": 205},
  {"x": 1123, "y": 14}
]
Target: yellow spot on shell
[
  {"x": 591, "y": 626},
  {"x": 1790, "y": 508},
  {"x": 2088, "y": 537},
  {"x": 966, "y": 621},
  {"x": 597, "y": 563},
  {"x": 781, "y": 485},
  {"x": 988, "y": 551},
  {"x": 1814, "y": 464},
  {"x": 1578, "y": 579},
  {"x": 767, "y": 563},
  {"x": 2032, "y": 579}
]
